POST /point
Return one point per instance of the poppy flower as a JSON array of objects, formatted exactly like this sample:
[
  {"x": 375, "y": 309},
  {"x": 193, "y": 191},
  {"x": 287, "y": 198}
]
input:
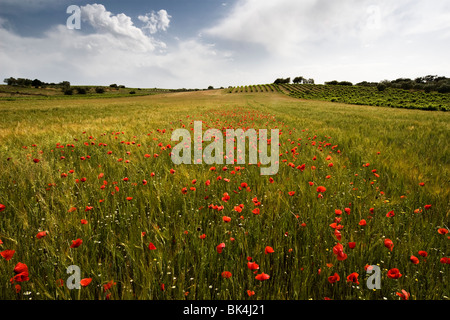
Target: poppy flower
[
  {"x": 353, "y": 277},
  {"x": 394, "y": 273},
  {"x": 255, "y": 211},
  {"x": 414, "y": 259},
  {"x": 21, "y": 271},
  {"x": 427, "y": 206},
  {"x": 352, "y": 245},
  {"x": 347, "y": 210},
  {"x": 388, "y": 244},
  {"x": 252, "y": 266},
  {"x": 423, "y": 253},
  {"x": 268, "y": 250},
  {"x": 250, "y": 293},
  {"x": 390, "y": 214},
  {"x": 362, "y": 223},
  {"x": 421, "y": 184},
  {"x": 36, "y": 160},
  {"x": 7, "y": 254},
  {"x": 226, "y": 274},
  {"x": 83, "y": 221},
  {"x": 442, "y": 231},
  {"x": 41, "y": 234},
  {"x": 444, "y": 260},
  {"x": 2, "y": 207},
  {"x": 76, "y": 243},
  {"x": 334, "y": 278},
  {"x": 263, "y": 276},
  {"x": 129, "y": 198},
  {"x": 338, "y": 212},
  {"x": 203, "y": 236},
  {"x": 404, "y": 295},
  {"x": 108, "y": 285},
  {"x": 85, "y": 282},
  {"x": 321, "y": 189},
  {"x": 338, "y": 250},
  {"x": 184, "y": 190},
  {"x": 151, "y": 246},
  {"x": 220, "y": 247},
  {"x": 291, "y": 193},
  {"x": 226, "y": 219}
]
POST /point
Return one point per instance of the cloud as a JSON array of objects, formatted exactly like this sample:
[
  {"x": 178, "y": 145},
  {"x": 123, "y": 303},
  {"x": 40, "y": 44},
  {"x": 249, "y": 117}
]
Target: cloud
[
  {"x": 120, "y": 26},
  {"x": 156, "y": 21},
  {"x": 360, "y": 39},
  {"x": 116, "y": 52}
]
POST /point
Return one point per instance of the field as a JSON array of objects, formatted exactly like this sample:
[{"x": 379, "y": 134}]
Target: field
[
  {"x": 358, "y": 95},
  {"x": 90, "y": 183}
]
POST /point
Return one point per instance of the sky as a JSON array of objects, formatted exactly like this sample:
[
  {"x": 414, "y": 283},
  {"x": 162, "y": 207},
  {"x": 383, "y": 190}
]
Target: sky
[{"x": 195, "y": 44}]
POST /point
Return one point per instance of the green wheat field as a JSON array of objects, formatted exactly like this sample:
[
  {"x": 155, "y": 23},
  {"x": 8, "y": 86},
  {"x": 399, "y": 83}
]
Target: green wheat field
[{"x": 89, "y": 182}]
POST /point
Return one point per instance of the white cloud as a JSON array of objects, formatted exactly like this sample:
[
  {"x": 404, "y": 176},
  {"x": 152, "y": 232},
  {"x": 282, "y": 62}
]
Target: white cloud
[
  {"x": 359, "y": 39},
  {"x": 156, "y": 21},
  {"x": 120, "y": 26}
]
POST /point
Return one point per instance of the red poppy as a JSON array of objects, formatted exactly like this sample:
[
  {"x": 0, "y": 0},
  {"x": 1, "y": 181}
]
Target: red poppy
[
  {"x": 353, "y": 277},
  {"x": 203, "y": 236},
  {"x": 338, "y": 250},
  {"x": 414, "y": 259},
  {"x": 427, "y": 206},
  {"x": 256, "y": 211},
  {"x": 390, "y": 214},
  {"x": 444, "y": 260},
  {"x": 362, "y": 223},
  {"x": 184, "y": 190},
  {"x": 129, "y": 198},
  {"x": 226, "y": 274},
  {"x": 220, "y": 247},
  {"x": 337, "y": 212},
  {"x": 347, "y": 210},
  {"x": 2, "y": 207},
  {"x": 334, "y": 278},
  {"x": 252, "y": 266},
  {"x": 108, "y": 285},
  {"x": 151, "y": 246},
  {"x": 404, "y": 295},
  {"x": 291, "y": 193},
  {"x": 423, "y": 253},
  {"x": 262, "y": 277},
  {"x": 268, "y": 250},
  {"x": 7, "y": 254},
  {"x": 352, "y": 245},
  {"x": 76, "y": 243},
  {"x": 36, "y": 160},
  {"x": 226, "y": 219},
  {"x": 41, "y": 234},
  {"x": 321, "y": 189},
  {"x": 388, "y": 244},
  {"x": 85, "y": 282},
  {"x": 442, "y": 231},
  {"x": 21, "y": 271},
  {"x": 394, "y": 273},
  {"x": 84, "y": 221},
  {"x": 250, "y": 293}
]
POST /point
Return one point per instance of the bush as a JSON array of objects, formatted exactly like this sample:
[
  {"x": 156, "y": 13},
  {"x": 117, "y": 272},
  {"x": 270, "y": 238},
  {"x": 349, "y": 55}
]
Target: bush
[
  {"x": 132, "y": 92},
  {"x": 99, "y": 90},
  {"x": 68, "y": 92},
  {"x": 81, "y": 91}
]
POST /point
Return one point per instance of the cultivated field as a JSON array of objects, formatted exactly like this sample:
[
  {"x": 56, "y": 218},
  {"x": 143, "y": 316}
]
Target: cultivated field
[{"x": 90, "y": 183}]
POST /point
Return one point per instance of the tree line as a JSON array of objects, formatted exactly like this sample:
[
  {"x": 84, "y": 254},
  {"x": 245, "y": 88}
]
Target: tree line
[{"x": 426, "y": 83}]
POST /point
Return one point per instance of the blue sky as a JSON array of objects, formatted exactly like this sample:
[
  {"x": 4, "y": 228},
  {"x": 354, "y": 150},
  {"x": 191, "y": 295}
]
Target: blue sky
[{"x": 194, "y": 44}]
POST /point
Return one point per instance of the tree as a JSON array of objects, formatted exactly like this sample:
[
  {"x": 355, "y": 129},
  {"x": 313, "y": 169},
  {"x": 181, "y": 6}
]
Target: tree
[
  {"x": 36, "y": 83},
  {"x": 298, "y": 80}
]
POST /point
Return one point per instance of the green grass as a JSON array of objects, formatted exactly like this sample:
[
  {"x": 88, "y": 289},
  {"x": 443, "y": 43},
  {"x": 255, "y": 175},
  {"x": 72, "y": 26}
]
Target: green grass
[{"x": 405, "y": 147}]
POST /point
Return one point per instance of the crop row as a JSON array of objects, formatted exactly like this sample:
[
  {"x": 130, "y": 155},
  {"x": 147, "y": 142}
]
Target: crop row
[{"x": 390, "y": 97}]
